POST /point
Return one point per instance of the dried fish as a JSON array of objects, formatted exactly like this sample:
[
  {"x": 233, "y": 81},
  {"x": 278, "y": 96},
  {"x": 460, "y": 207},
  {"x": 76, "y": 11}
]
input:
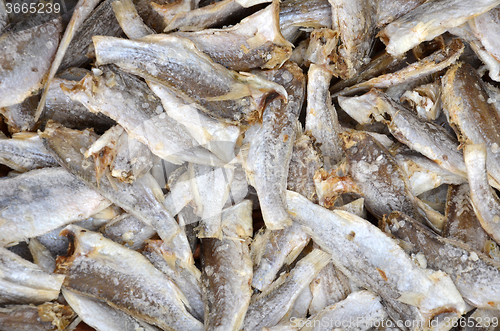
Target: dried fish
[
  {"x": 139, "y": 288},
  {"x": 425, "y": 137},
  {"x": 475, "y": 276},
  {"x": 42, "y": 257},
  {"x": 4, "y": 18},
  {"x": 176, "y": 62},
  {"x": 409, "y": 293},
  {"x": 429, "y": 20},
  {"x": 27, "y": 52},
  {"x": 227, "y": 271},
  {"x": 485, "y": 28},
  {"x": 425, "y": 100},
  {"x": 321, "y": 117},
  {"x": 271, "y": 151},
  {"x": 435, "y": 62},
  {"x": 355, "y": 21},
  {"x": 268, "y": 307},
  {"x": 359, "y": 311},
  {"x": 101, "y": 316},
  {"x": 140, "y": 113},
  {"x": 187, "y": 279},
  {"x": 25, "y": 152},
  {"x": 46, "y": 317},
  {"x": 19, "y": 117},
  {"x": 255, "y": 42},
  {"x": 485, "y": 201},
  {"x": 180, "y": 194},
  {"x": 390, "y": 10},
  {"x": 100, "y": 21},
  {"x": 208, "y": 16},
  {"x": 474, "y": 120},
  {"x": 295, "y": 14},
  {"x": 321, "y": 46},
  {"x": 51, "y": 196},
  {"x": 24, "y": 282},
  {"x": 129, "y": 20},
  {"x": 274, "y": 248}
]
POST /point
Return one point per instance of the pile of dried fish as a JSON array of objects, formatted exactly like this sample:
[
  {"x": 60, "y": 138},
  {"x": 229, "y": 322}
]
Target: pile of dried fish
[{"x": 250, "y": 165}]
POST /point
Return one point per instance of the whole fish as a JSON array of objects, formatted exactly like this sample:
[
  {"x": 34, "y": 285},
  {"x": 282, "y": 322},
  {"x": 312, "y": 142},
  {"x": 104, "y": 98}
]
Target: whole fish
[
  {"x": 28, "y": 49},
  {"x": 271, "y": 150},
  {"x": 227, "y": 270},
  {"x": 476, "y": 276},
  {"x": 42, "y": 200},
  {"x": 24, "y": 282},
  {"x": 176, "y": 62},
  {"x": 409, "y": 293},
  {"x": 139, "y": 288}
]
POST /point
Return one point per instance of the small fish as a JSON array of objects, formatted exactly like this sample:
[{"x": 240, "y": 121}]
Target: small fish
[
  {"x": 27, "y": 52},
  {"x": 409, "y": 293},
  {"x": 227, "y": 270},
  {"x": 255, "y": 42},
  {"x": 472, "y": 117},
  {"x": 360, "y": 311},
  {"x": 176, "y": 62},
  {"x": 129, "y": 20},
  {"x": 295, "y": 14},
  {"x": 485, "y": 201},
  {"x": 390, "y": 10},
  {"x": 321, "y": 118},
  {"x": 42, "y": 257},
  {"x": 476, "y": 276},
  {"x": 429, "y": 20},
  {"x": 25, "y": 282},
  {"x": 25, "y": 152},
  {"x": 139, "y": 288},
  {"x": 45, "y": 317},
  {"x": 435, "y": 62},
  {"x": 101, "y": 316},
  {"x": 42, "y": 200},
  {"x": 268, "y": 308},
  {"x": 271, "y": 151}
]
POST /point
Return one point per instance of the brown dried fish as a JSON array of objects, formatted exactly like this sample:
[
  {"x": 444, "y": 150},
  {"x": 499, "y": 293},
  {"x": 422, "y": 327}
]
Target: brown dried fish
[{"x": 45, "y": 317}]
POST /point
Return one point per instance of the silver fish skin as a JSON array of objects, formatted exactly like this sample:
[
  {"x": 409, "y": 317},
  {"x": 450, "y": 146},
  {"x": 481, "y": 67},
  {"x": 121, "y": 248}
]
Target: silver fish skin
[
  {"x": 210, "y": 187},
  {"x": 51, "y": 196},
  {"x": 45, "y": 317},
  {"x": 304, "y": 13},
  {"x": 60, "y": 108},
  {"x": 142, "y": 198},
  {"x": 176, "y": 62},
  {"x": 187, "y": 279},
  {"x": 139, "y": 290},
  {"x": 425, "y": 174},
  {"x": 4, "y": 18},
  {"x": 425, "y": 137},
  {"x": 24, "y": 282},
  {"x": 129, "y": 231},
  {"x": 255, "y": 42},
  {"x": 42, "y": 257},
  {"x": 27, "y": 52},
  {"x": 355, "y": 21},
  {"x": 101, "y": 21},
  {"x": 360, "y": 311},
  {"x": 269, "y": 307},
  {"x": 462, "y": 223},
  {"x": 227, "y": 270},
  {"x": 100, "y": 316},
  {"x": 19, "y": 117},
  {"x": 140, "y": 113},
  {"x": 303, "y": 165},
  {"x": 328, "y": 287},
  {"x": 472, "y": 117},
  {"x": 435, "y": 62},
  {"x": 274, "y": 248},
  {"x": 428, "y": 21},
  {"x": 133, "y": 159},
  {"x": 25, "y": 152},
  {"x": 476, "y": 276},
  {"x": 300, "y": 306},
  {"x": 389, "y": 10},
  {"x": 271, "y": 151},
  {"x": 181, "y": 193},
  {"x": 218, "y": 137},
  {"x": 409, "y": 293},
  {"x": 485, "y": 201},
  {"x": 208, "y": 16},
  {"x": 81, "y": 12},
  {"x": 321, "y": 117},
  {"x": 129, "y": 19}
]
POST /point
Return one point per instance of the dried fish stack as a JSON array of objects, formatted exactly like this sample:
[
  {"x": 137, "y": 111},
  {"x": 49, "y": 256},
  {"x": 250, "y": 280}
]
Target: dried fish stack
[{"x": 250, "y": 165}]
